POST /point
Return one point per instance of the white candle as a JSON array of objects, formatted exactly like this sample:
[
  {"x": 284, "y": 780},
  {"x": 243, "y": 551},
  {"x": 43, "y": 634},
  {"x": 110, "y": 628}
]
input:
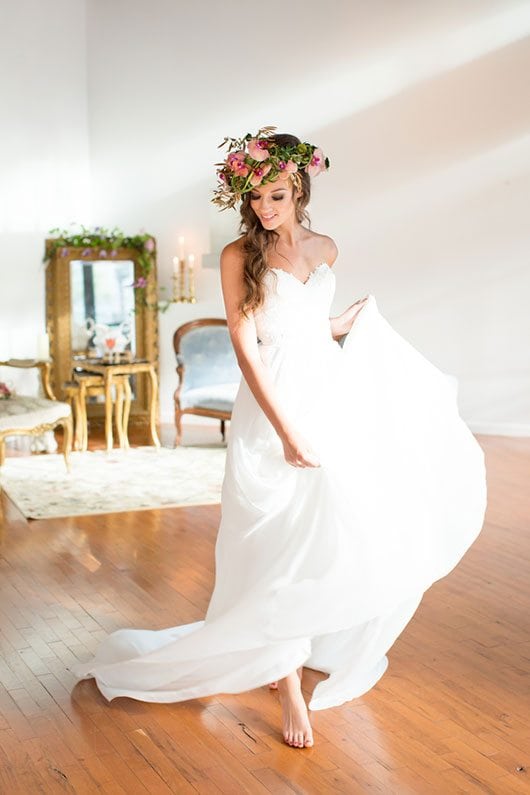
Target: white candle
[
  {"x": 181, "y": 247},
  {"x": 175, "y": 266},
  {"x": 43, "y": 346}
]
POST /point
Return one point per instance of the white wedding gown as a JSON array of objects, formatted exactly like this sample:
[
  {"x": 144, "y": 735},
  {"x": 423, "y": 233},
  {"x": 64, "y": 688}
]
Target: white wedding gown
[{"x": 319, "y": 566}]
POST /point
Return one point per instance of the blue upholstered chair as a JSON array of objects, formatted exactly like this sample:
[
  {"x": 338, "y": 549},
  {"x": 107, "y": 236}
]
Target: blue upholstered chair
[{"x": 208, "y": 372}]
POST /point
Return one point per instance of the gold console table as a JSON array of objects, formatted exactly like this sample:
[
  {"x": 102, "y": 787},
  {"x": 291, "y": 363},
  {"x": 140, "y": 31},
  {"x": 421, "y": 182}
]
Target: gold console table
[{"x": 108, "y": 372}]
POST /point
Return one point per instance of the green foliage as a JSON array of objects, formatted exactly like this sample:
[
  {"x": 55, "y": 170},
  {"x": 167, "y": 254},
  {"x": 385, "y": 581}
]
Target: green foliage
[
  {"x": 240, "y": 171},
  {"x": 102, "y": 243}
]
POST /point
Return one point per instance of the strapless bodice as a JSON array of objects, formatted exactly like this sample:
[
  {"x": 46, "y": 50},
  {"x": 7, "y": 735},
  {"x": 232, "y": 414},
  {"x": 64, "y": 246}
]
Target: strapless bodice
[{"x": 294, "y": 310}]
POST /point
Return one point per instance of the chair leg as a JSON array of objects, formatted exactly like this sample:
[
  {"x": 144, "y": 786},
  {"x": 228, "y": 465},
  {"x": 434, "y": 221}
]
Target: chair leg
[
  {"x": 178, "y": 425},
  {"x": 223, "y": 429}
]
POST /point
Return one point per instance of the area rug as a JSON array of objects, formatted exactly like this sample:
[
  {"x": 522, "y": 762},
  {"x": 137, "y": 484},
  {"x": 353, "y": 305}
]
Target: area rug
[{"x": 99, "y": 482}]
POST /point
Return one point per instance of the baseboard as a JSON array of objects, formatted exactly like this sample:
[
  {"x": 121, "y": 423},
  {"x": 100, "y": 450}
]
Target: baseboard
[{"x": 484, "y": 428}]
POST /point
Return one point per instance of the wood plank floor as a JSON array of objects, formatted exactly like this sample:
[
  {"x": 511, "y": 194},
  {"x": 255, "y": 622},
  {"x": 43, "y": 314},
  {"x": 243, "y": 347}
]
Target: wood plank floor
[{"x": 451, "y": 714}]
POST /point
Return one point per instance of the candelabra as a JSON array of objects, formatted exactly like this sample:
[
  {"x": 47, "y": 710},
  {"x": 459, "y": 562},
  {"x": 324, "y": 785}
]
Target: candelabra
[{"x": 183, "y": 280}]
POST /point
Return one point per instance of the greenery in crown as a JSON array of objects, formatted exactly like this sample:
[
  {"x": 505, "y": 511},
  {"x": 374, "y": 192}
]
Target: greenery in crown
[{"x": 256, "y": 159}]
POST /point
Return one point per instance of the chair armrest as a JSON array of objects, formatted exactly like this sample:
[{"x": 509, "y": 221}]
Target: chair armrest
[{"x": 44, "y": 368}]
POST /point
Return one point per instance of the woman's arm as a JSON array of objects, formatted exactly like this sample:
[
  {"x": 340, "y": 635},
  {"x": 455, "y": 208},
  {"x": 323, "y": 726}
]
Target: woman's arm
[{"x": 243, "y": 335}]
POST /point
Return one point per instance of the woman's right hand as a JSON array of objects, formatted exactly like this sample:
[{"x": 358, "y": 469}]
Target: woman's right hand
[{"x": 298, "y": 452}]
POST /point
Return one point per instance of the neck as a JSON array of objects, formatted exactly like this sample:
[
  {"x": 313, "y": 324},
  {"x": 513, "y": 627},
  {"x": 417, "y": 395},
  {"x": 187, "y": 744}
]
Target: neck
[{"x": 290, "y": 233}]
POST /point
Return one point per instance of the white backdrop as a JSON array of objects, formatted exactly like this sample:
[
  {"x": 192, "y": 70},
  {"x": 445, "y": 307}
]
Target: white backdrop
[{"x": 111, "y": 114}]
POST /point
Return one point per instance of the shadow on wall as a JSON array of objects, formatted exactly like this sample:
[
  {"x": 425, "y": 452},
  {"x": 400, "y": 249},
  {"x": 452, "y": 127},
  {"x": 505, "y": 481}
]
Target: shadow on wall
[{"x": 424, "y": 130}]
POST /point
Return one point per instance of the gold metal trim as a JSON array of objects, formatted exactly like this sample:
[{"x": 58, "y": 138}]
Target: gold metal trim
[{"x": 58, "y": 326}]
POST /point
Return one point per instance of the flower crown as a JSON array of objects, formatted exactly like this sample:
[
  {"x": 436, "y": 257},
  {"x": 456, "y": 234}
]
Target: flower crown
[{"x": 255, "y": 160}]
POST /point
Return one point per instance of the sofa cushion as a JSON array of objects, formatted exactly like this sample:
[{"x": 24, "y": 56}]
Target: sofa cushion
[
  {"x": 219, "y": 397},
  {"x": 20, "y": 411}
]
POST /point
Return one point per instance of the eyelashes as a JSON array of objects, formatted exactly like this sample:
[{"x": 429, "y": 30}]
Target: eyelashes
[{"x": 274, "y": 198}]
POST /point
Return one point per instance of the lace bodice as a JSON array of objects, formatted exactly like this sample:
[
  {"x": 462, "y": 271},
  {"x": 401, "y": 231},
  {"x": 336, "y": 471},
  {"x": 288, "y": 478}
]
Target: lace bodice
[{"x": 294, "y": 310}]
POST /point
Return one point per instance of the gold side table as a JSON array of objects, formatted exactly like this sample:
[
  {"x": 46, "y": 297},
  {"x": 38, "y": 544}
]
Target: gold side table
[
  {"x": 87, "y": 384},
  {"x": 109, "y": 372}
]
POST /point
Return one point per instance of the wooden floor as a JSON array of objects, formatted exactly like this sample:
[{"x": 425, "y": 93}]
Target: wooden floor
[{"x": 450, "y": 715}]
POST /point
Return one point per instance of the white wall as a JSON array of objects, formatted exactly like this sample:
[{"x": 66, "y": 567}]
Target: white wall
[
  {"x": 423, "y": 110},
  {"x": 44, "y": 157}
]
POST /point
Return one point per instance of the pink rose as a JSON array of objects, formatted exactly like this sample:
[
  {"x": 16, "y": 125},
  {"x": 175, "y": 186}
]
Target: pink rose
[
  {"x": 236, "y": 163},
  {"x": 5, "y": 392},
  {"x": 149, "y": 244},
  {"x": 258, "y": 173},
  {"x": 258, "y": 149},
  {"x": 235, "y": 160},
  {"x": 288, "y": 167},
  {"x": 317, "y": 163}
]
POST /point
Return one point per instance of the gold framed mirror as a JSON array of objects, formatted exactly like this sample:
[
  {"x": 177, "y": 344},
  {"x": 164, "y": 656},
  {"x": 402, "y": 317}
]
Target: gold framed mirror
[{"x": 89, "y": 299}]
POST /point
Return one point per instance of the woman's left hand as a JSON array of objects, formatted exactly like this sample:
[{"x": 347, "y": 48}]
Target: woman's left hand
[
  {"x": 351, "y": 313},
  {"x": 342, "y": 324}
]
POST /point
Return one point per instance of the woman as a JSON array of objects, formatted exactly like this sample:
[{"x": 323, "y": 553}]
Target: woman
[{"x": 351, "y": 482}]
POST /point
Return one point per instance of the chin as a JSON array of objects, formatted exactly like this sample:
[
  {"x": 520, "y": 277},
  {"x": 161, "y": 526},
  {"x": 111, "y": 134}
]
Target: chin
[{"x": 272, "y": 224}]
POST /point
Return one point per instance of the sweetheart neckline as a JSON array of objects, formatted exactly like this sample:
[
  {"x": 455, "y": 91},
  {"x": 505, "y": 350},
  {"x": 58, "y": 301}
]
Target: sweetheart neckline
[{"x": 303, "y": 284}]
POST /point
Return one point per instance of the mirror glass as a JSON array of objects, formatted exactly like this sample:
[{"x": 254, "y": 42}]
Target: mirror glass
[{"x": 102, "y": 311}]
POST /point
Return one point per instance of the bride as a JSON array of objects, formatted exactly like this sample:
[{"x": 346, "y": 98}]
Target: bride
[{"x": 351, "y": 482}]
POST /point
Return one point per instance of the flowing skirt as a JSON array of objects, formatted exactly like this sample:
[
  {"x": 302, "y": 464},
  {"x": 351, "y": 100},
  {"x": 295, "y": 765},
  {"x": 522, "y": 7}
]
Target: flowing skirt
[{"x": 321, "y": 566}]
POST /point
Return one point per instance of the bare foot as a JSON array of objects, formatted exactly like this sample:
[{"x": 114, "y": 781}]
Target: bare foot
[
  {"x": 274, "y": 685},
  {"x": 297, "y": 729}
]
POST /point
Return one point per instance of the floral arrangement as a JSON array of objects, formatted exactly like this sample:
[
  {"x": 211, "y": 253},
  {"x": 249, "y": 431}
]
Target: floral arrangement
[
  {"x": 256, "y": 159},
  {"x": 103, "y": 243},
  {"x": 5, "y": 392}
]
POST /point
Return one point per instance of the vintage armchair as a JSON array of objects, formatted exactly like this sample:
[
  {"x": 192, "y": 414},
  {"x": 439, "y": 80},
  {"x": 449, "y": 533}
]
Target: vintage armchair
[
  {"x": 22, "y": 415},
  {"x": 209, "y": 375}
]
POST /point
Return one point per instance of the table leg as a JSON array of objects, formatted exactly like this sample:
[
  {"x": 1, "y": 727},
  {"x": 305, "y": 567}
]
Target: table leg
[
  {"x": 67, "y": 441},
  {"x": 108, "y": 410},
  {"x": 78, "y": 420},
  {"x": 83, "y": 420},
  {"x": 152, "y": 406},
  {"x": 118, "y": 411},
  {"x": 126, "y": 410}
]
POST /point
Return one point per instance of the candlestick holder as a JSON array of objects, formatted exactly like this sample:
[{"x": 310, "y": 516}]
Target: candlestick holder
[{"x": 183, "y": 282}]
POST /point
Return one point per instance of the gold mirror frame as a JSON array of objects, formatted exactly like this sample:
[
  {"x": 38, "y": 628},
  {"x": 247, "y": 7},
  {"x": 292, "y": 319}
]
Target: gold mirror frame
[{"x": 59, "y": 327}]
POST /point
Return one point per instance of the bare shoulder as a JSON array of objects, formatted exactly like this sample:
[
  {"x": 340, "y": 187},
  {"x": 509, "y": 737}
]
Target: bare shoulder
[
  {"x": 232, "y": 255},
  {"x": 326, "y": 247},
  {"x": 330, "y": 249}
]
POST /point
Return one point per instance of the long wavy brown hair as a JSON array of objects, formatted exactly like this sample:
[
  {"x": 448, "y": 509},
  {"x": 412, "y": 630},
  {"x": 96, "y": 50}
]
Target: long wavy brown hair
[{"x": 258, "y": 241}]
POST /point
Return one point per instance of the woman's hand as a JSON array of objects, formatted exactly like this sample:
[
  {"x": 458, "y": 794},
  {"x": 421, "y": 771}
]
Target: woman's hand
[
  {"x": 351, "y": 313},
  {"x": 298, "y": 452},
  {"x": 342, "y": 324}
]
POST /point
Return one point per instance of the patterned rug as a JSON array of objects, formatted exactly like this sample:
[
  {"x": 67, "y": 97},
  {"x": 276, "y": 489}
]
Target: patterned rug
[{"x": 101, "y": 482}]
